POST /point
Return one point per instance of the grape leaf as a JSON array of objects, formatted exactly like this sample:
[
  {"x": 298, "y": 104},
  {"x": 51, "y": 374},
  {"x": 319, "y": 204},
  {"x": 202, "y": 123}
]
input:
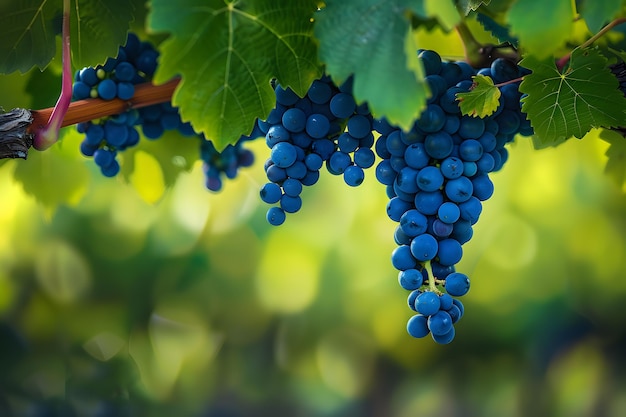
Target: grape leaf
[
  {"x": 541, "y": 29},
  {"x": 616, "y": 164},
  {"x": 561, "y": 105},
  {"x": 98, "y": 28},
  {"x": 28, "y": 30},
  {"x": 227, "y": 52},
  {"x": 372, "y": 40},
  {"x": 498, "y": 30},
  {"x": 598, "y": 13},
  {"x": 56, "y": 176},
  {"x": 467, "y": 6},
  {"x": 445, "y": 12},
  {"x": 483, "y": 98}
]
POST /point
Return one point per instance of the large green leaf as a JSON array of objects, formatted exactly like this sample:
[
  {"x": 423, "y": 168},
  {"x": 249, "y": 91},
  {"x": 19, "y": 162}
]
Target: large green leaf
[
  {"x": 372, "y": 40},
  {"x": 562, "y": 105},
  {"x": 542, "y": 27},
  {"x": 227, "y": 52},
  {"x": 27, "y": 30},
  {"x": 98, "y": 29},
  {"x": 598, "y": 13}
]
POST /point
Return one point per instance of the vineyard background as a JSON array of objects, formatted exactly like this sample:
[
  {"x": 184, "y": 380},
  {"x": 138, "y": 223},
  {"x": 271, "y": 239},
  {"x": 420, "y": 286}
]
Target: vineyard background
[{"x": 194, "y": 306}]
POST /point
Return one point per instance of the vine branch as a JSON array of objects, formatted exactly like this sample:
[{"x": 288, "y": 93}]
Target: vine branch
[{"x": 560, "y": 64}]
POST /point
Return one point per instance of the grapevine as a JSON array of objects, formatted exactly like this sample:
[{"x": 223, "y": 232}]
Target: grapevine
[{"x": 345, "y": 88}]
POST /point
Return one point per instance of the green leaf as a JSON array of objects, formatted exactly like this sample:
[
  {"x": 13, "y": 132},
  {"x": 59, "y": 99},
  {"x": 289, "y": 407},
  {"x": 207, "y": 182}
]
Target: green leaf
[
  {"x": 28, "y": 29},
  {"x": 174, "y": 153},
  {"x": 227, "y": 52},
  {"x": 482, "y": 100},
  {"x": 561, "y": 105},
  {"x": 98, "y": 28},
  {"x": 467, "y": 6},
  {"x": 540, "y": 26},
  {"x": 56, "y": 176},
  {"x": 372, "y": 40},
  {"x": 616, "y": 164},
  {"x": 598, "y": 13},
  {"x": 444, "y": 11}
]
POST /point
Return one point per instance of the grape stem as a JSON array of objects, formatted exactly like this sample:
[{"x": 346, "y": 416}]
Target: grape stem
[
  {"x": 432, "y": 282},
  {"x": 480, "y": 55},
  {"x": 562, "y": 62},
  {"x": 48, "y": 135}
]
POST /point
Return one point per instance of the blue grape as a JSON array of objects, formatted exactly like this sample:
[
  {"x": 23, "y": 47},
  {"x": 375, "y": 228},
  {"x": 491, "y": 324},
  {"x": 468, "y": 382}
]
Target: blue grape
[
  {"x": 402, "y": 259},
  {"x": 410, "y": 279},
  {"x": 417, "y": 326},
  {"x": 457, "y": 284},
  {"x": 283, "y": 154},
  {"x": 449, "y": 212},
  {"x": 354, "y": 175},
  {"x": 445, "y": 338},
  {"x": 271, "y": 193},
  {"x": 439, "y": 323},
  {"x": 275, "y": 216},
  {"x": 427, "y": 303},
  {"x": 429, "y": 178},
  {"x": 424, "y": 247}
]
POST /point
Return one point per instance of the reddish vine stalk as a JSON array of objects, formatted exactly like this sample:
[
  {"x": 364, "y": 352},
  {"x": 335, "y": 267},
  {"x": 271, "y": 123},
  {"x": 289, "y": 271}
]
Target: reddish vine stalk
[{"x": 146, "y": 94}]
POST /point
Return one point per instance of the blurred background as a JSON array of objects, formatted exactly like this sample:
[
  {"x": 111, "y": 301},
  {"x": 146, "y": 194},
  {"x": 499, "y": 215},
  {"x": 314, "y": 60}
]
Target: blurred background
[{"x": 141, "y": 296}]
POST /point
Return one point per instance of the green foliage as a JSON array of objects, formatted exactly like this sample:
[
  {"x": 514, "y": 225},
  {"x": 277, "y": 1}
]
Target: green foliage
[
  {"x": 467, "y": 6},
  {"x": 372, "y": 41},
  {"x": 482, "y": 100},
  {"x": 28, "y": 31},
  {"x": 598, "y": 13},
  {"x": 227, "y": 54},
  {"x": 616, "y": 164},
  {"x": 98, "y": 29},
  {"x": 570, "y": 103},
  {"x": 54, "y": 177},
  {"x": 541, "y": 29},
  {"x": 99, "y": 22}
]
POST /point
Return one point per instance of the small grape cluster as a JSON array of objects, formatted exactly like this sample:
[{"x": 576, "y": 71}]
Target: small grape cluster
[
  {"x": 325, "y": 127},
  {"x": 136, "y": 63},
  {"x": 226, "y": 163},
  {"x": 437, "y": 177}
]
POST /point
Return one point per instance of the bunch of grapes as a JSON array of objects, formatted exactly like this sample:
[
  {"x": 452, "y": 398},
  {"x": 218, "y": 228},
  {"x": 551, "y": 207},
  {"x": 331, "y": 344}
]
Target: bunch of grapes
[
  {"x": 437, "y": 176},
  {"x": 136, "y": 63},
  {"x": 326, "y": 127}
]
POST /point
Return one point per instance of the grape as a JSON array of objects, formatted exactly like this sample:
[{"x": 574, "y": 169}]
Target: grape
[
  {"x": 326, "y": 127},
  {"x": 342, "y": 105},
  {"x": 271, "y": 193},
  {"x": 436, "y": 176},
  {"x": 429, "y": 178},
  {"x": 294, "y": 120},
  {"x": 413, "y": 223},
  {"x": 410, "y": 279},
  {"x": 445, "y": 338},
  {"x": 354, "y": 175},
  {"x": 417, "y": 326},
  {"x": 457, "y": 284},
  {"x": 427, "y": 303},
  {"x": 107, "y": 89},
  {"x": 424, "y": 247},
  {"x": 439, "y": 323},
  {"x": 275, "y": 216},
  {"x": 439, "y": 145},
  {"x": 449, "y": 252}
]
